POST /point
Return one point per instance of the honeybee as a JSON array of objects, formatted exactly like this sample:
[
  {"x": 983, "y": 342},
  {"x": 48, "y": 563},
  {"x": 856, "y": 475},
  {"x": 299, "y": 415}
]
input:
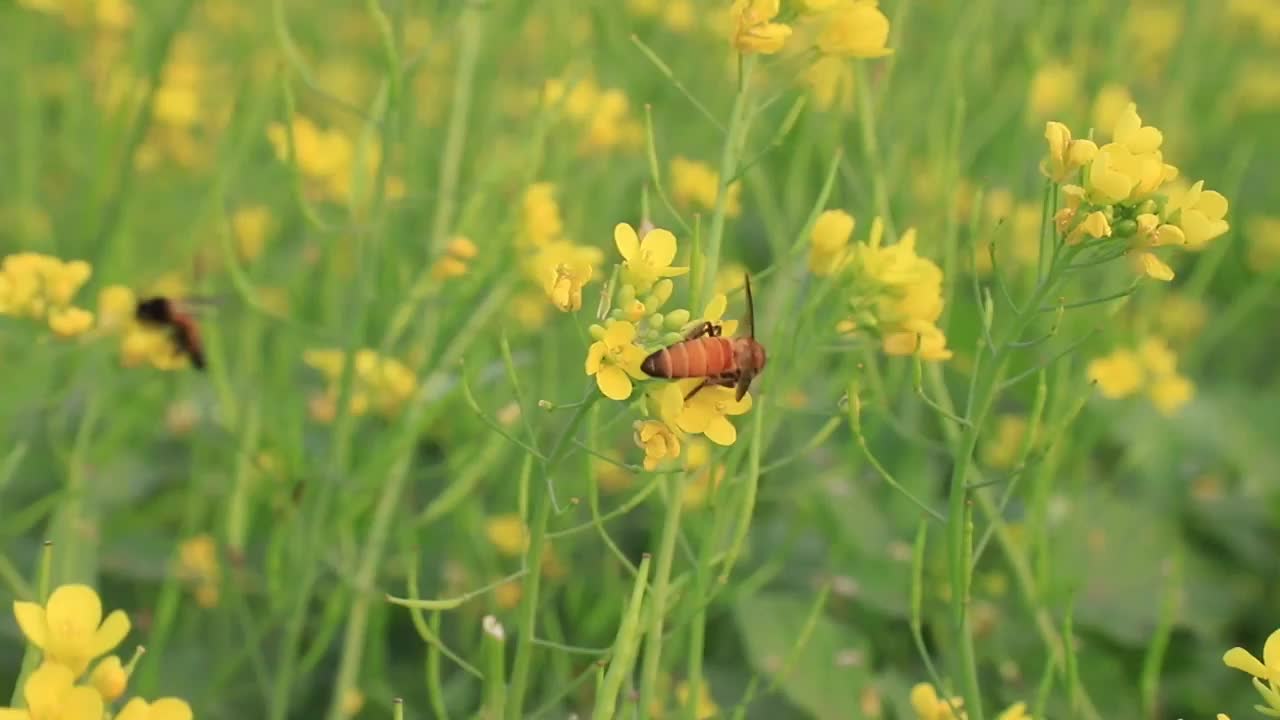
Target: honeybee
[
  {"x": 727, "y": 362},
  {"x": 164, "y": 312}
]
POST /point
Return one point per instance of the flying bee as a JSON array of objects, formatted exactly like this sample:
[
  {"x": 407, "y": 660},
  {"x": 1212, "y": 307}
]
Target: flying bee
[
  {"x": 727, "y": 362},
  {"x": 164, "y": 312}
]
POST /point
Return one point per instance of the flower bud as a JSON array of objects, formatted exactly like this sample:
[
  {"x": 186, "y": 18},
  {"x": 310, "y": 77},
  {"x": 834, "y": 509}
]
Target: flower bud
[
  {"x": 596, "y": 331},
  {"x": 661, "y": 292},
  {"x": 110, "y": 678},
  {"x": 677, "y": 319},
  {"x": 1124, "y": 228},
  {"x": 672, "y": 338},
  {"x": 626, "y": 295},
  {"x": 655, "y": 321}
]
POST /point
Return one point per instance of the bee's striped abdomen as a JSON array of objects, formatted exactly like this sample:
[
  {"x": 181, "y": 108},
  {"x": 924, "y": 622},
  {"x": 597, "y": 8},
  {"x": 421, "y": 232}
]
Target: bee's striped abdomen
[{"x": 701, "y": 357}]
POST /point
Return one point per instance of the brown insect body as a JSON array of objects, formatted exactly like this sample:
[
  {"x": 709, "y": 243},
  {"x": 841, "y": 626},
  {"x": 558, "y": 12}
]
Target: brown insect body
[
  {"x": 182, "y": 327},
  {"x": 727, "y": 362}
]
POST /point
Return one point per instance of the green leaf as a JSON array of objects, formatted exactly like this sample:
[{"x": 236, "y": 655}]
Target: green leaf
[{"x": 829, "y": 672}]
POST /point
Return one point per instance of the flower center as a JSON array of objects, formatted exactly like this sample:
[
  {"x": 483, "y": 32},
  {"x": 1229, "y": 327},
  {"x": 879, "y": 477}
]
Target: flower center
[{"x": 721, "y": 406}]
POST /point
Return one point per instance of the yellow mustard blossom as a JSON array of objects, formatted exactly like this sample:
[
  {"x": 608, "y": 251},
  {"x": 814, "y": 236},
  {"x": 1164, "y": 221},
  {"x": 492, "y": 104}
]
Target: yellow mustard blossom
[
  {"x": 109, "y": 678},
  {"x": 646, "y": 260},
  {"x": 1117, "y": 375},
  {"x": 140, "y": 343},
  {"x": 1181, "y": 317},
  {"x": 540, "y": 221},
  {"x": 928, "y": 706},
  {"x": 507, "y": 533},
  {"x": 1110, "y": 102},
  {"x": 42, "y": 287},
  {"x": 755, "y": 30},
  {"x": 352, "y": 702},
  {"x": 1065, "y": 155},
  {"x": 453, "y": 263},
  {"x": 561, "y": 269},
  {"x": 508, "y": 594},
  {"x": 1002, "y": 451},
  {"x": 69, "y": 628},
  {"x": 614, "y": 359},
  {"x": 855, "y": 28},
  {"x": 1108, "y": 183},
  {"x": 714, "y": 314},
  {"x": 706, "y": 707},
  {"x": 830, "y": 83},
  {"x": 198, "y": 564},
  {"x": 704, "y": 477},
  {"x": 659, "y": 441},
  {"x": 680, "y": 16},
  {"x": 250, "y": 227},
  {"x": 382, "y": 384},
  {"x": 708, "y": 411},
  {"x": 1094, "y": 225},
  {"x": 1200, "y": 213},
  {"x": 695, "y": 183},
  {"x": 327, "y": 159},
  {"x": 168, "y": 708},
  {"x": 1152, "y": 233},
  {"x": 1265, "y": 672},
  {"x": 829, "y": 242},
  {"x": 1152, "y": 29},
  {"x": 1054, "y": 88},
  {"x": 1263, "y": 253},
  {"x": 51, "y": 694}
]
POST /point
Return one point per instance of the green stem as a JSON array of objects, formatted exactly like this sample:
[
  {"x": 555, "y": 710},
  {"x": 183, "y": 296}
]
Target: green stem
[
  {"x": 661, "y": 588},
  {"x": 734, "y": 141}
]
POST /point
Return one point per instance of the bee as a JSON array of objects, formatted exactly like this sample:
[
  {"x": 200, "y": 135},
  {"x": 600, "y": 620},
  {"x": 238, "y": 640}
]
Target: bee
[
  {"x": 164, "y": 312},
  {"x": 726, "y": 362}
]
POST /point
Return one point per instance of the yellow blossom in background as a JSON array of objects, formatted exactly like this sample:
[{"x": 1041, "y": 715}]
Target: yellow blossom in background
[
  {"x": 70, "y": 628},
  {"x": 1002, "y": 450},
  {"x": 561, "y": 269},
  {"x": 928, "y": 706},
  {"x": 198, "y": 564},
  {"x": 508, "y": 594},
  {"x": 706, "y": 707},
  {"x": 163, "y": 709},
  {"x": 830, "y": 82},
  {"x": 1263, "y": 234},
  {"x": 1055, "y": 88},
  {"x": 352, "y": 702},
  {"x": 614, "y": 359},
  {"x": 1200, "y": 213},
  {"x": 703, "y": 477},
  {"x": 1152, "y": 29},
  {"x": 855, "y": 28},
  {"x": 507, "y": 533},
  {"x": 1266, "y": 672},
  {"x": 1110, "y": 102},
  {"x": 50, "y": 693},
  {"x": 646, "y": 260},
  {"x": 250, "y": 227},
  {"x": 695, "y": 183},
  {"x": 381, "y": 384},
  {"x": 1153, "y": 367},
  {"x": 453, "y": 263},
  {"x": 1117, "y": 375},
  {"x": 1181, "y": 317},
  {"x": 755, "y": 31},
  {"x": 829, "y": 242},
  {"x": 42, "y": 287}
]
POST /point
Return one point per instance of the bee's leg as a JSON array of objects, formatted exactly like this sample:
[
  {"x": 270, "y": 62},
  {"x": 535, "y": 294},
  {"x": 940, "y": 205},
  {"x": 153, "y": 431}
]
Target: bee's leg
[
  {"x": 703, "y": 328},
  {"x": 695, "y": 390}
]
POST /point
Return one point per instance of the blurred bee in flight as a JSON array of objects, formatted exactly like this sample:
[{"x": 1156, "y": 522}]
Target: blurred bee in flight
[
  {"x": 727, "y": 362},
  {"x": 164, "y": 312}
]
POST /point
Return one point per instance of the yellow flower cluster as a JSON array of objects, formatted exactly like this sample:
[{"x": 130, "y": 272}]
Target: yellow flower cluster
[
  {"x": 251, "y": 226},
  {"x": 928, "y": 706},
  {"x": 43, "y": 288},
  {"x": 560, "y": 267},
  {"x": 140, "y": 343},
  {"x": 602, "y": 116},
  {"x": 1126, "y": 193},
  {"x": 894, "y": 293},
  {"x": 198, "y": 565},
  {"x": 695, "y": 184},
  {"x": 1001, "y": 452},
  {"x": 754, "y": 29},
  {"x": 1265, "y": 672},
  {"x": 458, "y": 253},
  {"x": 327, "y": 159},
  {"x": 1153, "y": 367},
  {"x": 71, "y": 633},
  {"x": 380, "y": 384}
]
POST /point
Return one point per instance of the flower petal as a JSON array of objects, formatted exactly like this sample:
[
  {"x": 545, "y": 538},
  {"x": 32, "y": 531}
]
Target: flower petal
[
  {"x": 31, "y": 619},
  {"x": 624, "y": 236},
  {"x": 11, "y": 714},
  {"x": 695, "y": 418},
  {"x": 670, "y": 403},
  {"x": 170, "y": 709},
  {"x": 618, "y": 333},
  {"x": 135, "y": 709},
  {"x": 1241, "y": 659},
  {"x": 1213, "y": 204},
  {"x": 82, "y": 702},
  {"x": 1155, "y": 268},
  {"x": 715, "y": 308},
  {"x": 45, "y": 688},
  {"x": 111, "y": 634},
  {"x": 595, "y": 354},
  {"x": 660, "y": 247},
  {"x": 720, "y": 431},
  {"x": 673, "y": 271},
  {"x": 1271, "y": 654},
  {"x": 631, "y": 359},
  {"x": 73, "y": 611},
  {"x": 613, "y": 383}
]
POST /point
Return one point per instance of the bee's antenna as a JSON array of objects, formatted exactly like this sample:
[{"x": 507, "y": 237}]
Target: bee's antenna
[{"x": 751, "y": 307}]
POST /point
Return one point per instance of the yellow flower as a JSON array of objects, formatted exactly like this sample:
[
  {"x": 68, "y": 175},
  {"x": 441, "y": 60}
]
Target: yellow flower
[
  {"x": 830, "y": 82},
  {"x": 706, "y": 707},
  {"x": 1267, "y": 669},
  {"x": 507, "y": 533},
  {"x": 1118, "y": 375},
  {"x": 647, "y": 260},
  {"x": 163, "y": 709},
  {"x": 1130, "y": 132},
  {"x": 1264, "y": 243},
  {"x": 1054, "y": 88},
  {"x": 1094, "y": 225},
  {"x": 708, "y": 411},
  {"x": 1065, "y": 155},
  {"x": 1199, "y": 213},
  {"x": 1170, "y": 393},
  {"x": 110, "y": 678},
  {"x": 659, "y": 442},
  {"x": 856, "y": 28},
  {"x": 829, "y": 242},
  {"x": 1016, "y": 711},
  {"x": 540, "y": 221},
  {"x": 1001, "y": 452},
  {"x": 1151, "y": 234},
  {"x": 198, "y": 563},
  {"x": 918, "y": 336},
  {"x": 565, "y": 288},
  {"x": 250, "y": 226},
  {"x": 713, "y": 313},
  {"x": 70, "y": 321},
  {"x": 755, "y": 33},
  {"x": 1108, "y": 183},
  {"x": 1181, "y": 317},
  {"x": 69, "y": 628},
  {"x": 1111, "y": 101},
  {"x": 508, "y": 594},
  {"x": 51, "y": 694},
  {"x": 695, "y": 183},
  {"x": 613, "y": 358},
  {"x": 352, "y": 702},
  {"x": 928, "y": 706}
]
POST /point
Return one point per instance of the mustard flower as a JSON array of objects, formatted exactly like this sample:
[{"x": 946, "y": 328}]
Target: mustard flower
[
  {"x": 110, "y": 678},
  {"x": 1094, "y": 225},
  {"x": 1117, "y": 375},
  {"x": 708, "y": 411},
  {"x": 917, "y": 336},
  {"x": 695, "y": 183},
  {"x": 855, "y": 28},
  {"x": 1108, "y": 182},
  {"x": 1169, "y": 393},
  {"x": 163, "y": 709},
  {"x": 706, "y": 707},
  {"x": 829, "y": 242},
  {"x": 42, "y": 287},
  {"x": 507, "y": 533},
  {"x": 51, "y": 694},
  {"x": 928, "y": 706},
  {"x": 250, "y": 226},
  {"x": 540, "y": 221},
  {"x": 1264, "y": 243},
  {"x": 1065, "y": 155},
  {"x": 1130, "y": 132},
  {"x": 1265, "y": 672},
  {"x": 614, "y": 359},
  {"x": 198, "y": 563},
  {"x": 69, "y": 628},
  {"x": 565, "y": 286},
  {"x": 714, "y": 312},
  {"x": 1151, "y": 233},
  {"x": 1001, "y": 452},
  {"x": 658, "y": 440},
  {"x": 756, "y": 33},
  {"x": 1200, "y": 213},
  {"x": 830, "y": 83},
  {"x": 1111, "y": 101},
  {"x": 1054, "y": 87},
  {"x": 562, "y": 268},
  {"x": 647, "y": 260}
]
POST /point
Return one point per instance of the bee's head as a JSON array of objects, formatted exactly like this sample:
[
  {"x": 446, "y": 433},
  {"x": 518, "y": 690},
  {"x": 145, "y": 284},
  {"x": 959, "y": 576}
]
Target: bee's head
[{"x": 154, "y": 310}]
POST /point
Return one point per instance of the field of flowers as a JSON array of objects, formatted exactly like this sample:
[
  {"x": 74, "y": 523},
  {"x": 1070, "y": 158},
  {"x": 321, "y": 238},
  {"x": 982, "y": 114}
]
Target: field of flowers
[{"x": 331, "y": 383}]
